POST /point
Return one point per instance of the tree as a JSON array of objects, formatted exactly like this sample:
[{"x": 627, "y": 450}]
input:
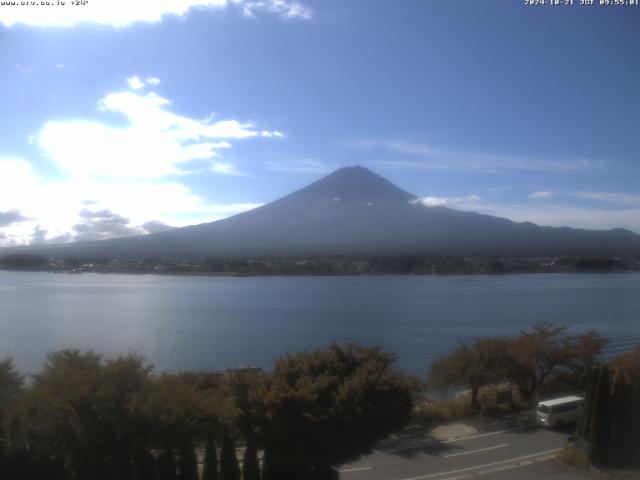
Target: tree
[
  {"x": 469, "y": 366},
  {"x": 328, "y": 407},
  {"x": 269, "y": 468},
  {"x": 210, "y": 468},
  {"x": 10, "y": 387},
  {"x": 80, "y": 410},
  {"x": 599, "y": 429},
  {"x": 529, "y": 359},
  {"x": 143, "y": 462},
  {"x": 247, "y": 412},
  {"x": 23, "y": 260},
  {"x": 250, "y": 465},
  {"x": 187, "y": 462},
  {"x": 229, "y": 468},
  {"x": 167, "y": 465},
  {"x": 628, "y": 366},
  {"x": 611, "y": 418}
]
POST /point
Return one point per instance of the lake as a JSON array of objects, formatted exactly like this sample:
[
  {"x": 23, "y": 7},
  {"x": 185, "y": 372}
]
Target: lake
[{"x": 210, "y": 323}]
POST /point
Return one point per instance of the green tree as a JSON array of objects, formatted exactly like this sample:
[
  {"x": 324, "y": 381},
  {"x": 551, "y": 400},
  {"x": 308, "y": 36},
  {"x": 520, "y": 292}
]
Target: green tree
[{"x": 328, "y": 407}]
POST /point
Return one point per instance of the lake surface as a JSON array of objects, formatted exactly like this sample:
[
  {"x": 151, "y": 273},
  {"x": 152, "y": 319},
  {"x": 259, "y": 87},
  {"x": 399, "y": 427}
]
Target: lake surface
[{"x": 194, "y": 323}]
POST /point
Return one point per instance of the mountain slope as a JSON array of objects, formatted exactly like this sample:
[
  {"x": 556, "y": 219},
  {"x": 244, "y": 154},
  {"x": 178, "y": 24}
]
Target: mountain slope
[{"x": 351, "y": 211}]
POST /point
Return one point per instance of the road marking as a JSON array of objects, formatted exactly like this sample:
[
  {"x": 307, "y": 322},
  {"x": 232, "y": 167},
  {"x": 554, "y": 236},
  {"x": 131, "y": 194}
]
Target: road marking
[
  {"x": 419, "y": 444},
  {"x": 469, "y": 437},
  {"x": 486, "y": 465},
  {"x": 497, "y": 432},
  {"x": 354, "y": 469},
  {"x": 497, "y": 469},
  {"x": 475, "y": 451},
  {"x": 544, "y": 459}
]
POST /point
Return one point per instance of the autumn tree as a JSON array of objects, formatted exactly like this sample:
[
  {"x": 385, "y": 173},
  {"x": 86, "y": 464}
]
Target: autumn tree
[
  {"x": 81, "y": 412},
  {"x": 628, "y": 366},
  {"x": 532, "y": 358},
  {"x": 327, "y": 407},
  {"x": 469, "y": 365}
]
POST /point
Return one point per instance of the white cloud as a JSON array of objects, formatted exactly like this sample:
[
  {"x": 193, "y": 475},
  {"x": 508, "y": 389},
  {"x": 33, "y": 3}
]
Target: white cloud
[
  {"x": 541, "y": 195},
  {"x": 467, "y": 201},
  {"x": 225, "y": 168},
  {"x": 122, "y": 13},
  {"x": 135, "y": 83},
  {"x": 286, "y": 9},
  {"x": 153, "y": 144},
  {"x": 119, "y": 169},
  {"x": 52, "y": 208},
  {"x": 424, "y": 156},
  {"x": 153, "y": 81}
]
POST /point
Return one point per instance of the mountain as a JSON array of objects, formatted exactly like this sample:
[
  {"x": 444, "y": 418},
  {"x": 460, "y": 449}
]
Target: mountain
[{"x": 352, "y": 211}]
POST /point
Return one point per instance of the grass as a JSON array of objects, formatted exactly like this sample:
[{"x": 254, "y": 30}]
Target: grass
[
  {"x": 439, "y": 411},
  {"x": 570, "y": 455}
]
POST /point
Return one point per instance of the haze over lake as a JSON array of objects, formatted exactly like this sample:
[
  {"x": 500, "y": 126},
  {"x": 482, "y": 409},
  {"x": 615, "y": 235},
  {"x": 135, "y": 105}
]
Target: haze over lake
[{"x": 194, "y": 323}]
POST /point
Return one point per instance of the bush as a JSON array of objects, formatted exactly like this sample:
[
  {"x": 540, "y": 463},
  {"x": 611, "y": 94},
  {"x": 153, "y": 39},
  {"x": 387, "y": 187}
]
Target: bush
[
  {"x": 436, "y": 411},
  {"x": 572, "y": 456}
]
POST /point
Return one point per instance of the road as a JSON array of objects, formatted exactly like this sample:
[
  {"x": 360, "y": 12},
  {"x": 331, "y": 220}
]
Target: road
[{"x": 484, "y": 454}]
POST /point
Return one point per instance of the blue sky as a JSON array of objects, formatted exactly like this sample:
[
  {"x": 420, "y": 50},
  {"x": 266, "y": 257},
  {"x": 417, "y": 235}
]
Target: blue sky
[{"x": 119, "y": 118}]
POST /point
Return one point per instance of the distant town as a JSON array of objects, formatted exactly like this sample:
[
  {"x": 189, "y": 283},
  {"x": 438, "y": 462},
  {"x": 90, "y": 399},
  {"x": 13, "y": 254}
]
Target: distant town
[{"x": 325, "y": 265}]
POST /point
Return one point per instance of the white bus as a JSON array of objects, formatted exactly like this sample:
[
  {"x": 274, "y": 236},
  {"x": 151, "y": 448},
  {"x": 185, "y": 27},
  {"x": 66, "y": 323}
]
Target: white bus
[{"x": 559, "y": 411}]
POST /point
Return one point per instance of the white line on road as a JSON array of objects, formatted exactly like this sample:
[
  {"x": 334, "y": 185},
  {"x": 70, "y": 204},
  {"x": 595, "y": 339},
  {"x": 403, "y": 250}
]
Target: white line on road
[
  {"x": 497, "y": 432},
  {"x": 497, "y": 469},
  {"x": 475, "y": 451},
  {"x": 420, "y": 444},
  {"x": 544, "y": 459},
  {"x": 486, "y": 465},
  {"x": 469, "y": 437},
  {"x": 354, "y": 469}
]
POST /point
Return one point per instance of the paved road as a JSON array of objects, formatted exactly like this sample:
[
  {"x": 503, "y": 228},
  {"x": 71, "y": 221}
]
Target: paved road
[{"x": 485, "y": 454}]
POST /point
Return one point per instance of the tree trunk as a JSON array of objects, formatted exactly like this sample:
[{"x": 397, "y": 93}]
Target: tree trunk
[
  {"x": 269, "y": 467},
  {"x": 187, "y": 463},
  {"x": 600, "y": 421},
  {"x": 250, "y": 466},
  {"x": 229, "y": 468},
  {"x": 475, "y": 405},
  {"x": 210, "y": 469}
]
